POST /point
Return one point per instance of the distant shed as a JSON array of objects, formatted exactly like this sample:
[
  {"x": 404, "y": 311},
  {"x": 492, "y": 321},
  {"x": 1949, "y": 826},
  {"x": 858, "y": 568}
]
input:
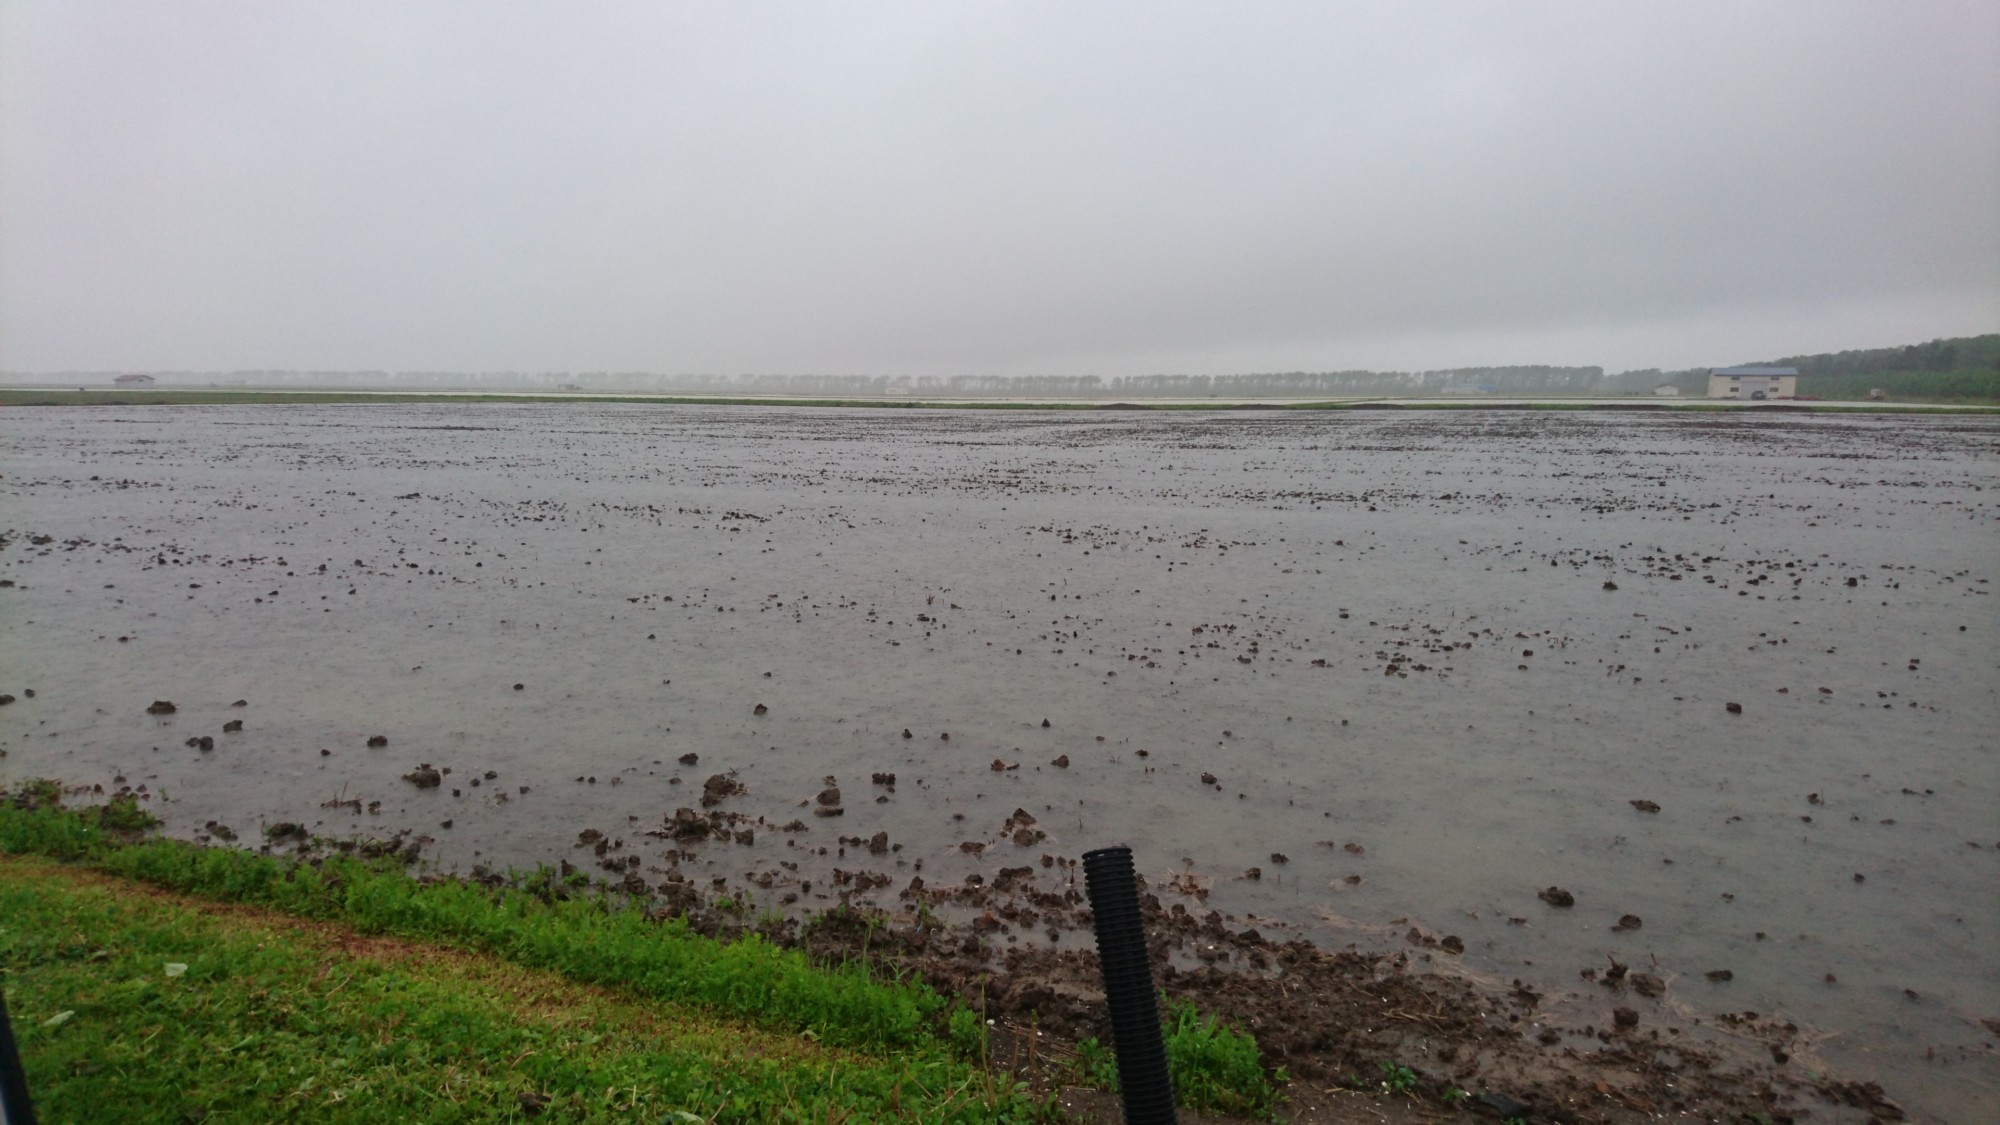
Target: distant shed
[
  {"x": 1744, "y": 383},
  {"x": 1667, "y": 390},
  {"x": 134, "y": 380}
]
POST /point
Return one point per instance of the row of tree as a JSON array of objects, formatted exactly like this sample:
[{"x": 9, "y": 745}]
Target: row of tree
[{"x": 1964, "y": 369}]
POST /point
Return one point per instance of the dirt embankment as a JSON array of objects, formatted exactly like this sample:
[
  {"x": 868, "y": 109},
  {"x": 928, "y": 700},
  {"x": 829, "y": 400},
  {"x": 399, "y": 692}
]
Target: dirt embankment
[{"x": 1334, "y": 1018}]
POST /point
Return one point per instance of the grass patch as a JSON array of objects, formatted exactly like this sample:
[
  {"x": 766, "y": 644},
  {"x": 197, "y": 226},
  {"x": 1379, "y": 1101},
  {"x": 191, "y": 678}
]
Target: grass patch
[
  {"x": 479, "y": 1004},
  {"x": 1212, "y": 1067},
  {"x": 133, "y": 1005},
  {"x": 588, "y": 937},
  {"x": 1215, "y": 1067},
  {"x": 68, "y": 941}
]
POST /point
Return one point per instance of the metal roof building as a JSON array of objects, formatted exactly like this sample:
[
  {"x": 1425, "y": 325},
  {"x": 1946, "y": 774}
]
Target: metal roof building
[{"x": 1753, "y": 382}]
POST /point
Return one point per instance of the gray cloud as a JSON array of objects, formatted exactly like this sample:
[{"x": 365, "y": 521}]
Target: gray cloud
[{"x": 1020, "y": 188}]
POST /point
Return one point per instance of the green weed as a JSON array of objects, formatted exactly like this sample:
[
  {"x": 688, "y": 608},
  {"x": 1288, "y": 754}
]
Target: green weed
[
  {"x": 123, "y": 814},
  {"x": 967, "y": 1031},
  {"x": 1398, "y": 1079},
  {"x": 1095, "y": 1065},
  {"x": 1216, "y": 1068},
  {"x": 1212, "y": 1067}
]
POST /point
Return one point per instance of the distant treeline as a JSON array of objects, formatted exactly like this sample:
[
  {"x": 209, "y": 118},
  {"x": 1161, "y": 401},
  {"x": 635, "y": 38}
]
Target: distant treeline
[
  {"x": 1286, "y": 384},
  {"x": 1531, "y": 379},
  {"x": 1962, "y": 369},
  {"x": 1965, "y": 369}
]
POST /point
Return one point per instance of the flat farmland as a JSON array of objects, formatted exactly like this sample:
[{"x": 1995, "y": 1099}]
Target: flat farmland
[{"x": 1529, "y": 695}]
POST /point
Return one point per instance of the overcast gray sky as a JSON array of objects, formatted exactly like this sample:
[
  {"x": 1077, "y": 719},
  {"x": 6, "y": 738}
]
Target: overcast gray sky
[{"x": 997, "y": 188}]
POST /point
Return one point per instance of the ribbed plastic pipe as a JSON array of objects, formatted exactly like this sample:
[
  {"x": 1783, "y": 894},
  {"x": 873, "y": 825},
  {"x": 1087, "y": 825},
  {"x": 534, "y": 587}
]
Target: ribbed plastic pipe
[
  {"x": 15, "y": 1108},
  {"x": 1143, "y": 1083}
]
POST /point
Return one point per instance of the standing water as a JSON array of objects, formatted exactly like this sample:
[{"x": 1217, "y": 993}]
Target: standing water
[{"x": 1732, "y": 676}]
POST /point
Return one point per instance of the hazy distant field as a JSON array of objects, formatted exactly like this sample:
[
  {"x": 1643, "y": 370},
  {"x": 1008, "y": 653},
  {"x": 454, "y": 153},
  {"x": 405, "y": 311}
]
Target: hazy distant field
[{"x": 197, "y": 396}]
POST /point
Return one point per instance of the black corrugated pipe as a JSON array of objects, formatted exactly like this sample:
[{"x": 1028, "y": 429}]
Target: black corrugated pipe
[
  {"x": 15, "y": 1108},
  {"x": 1143, "y": 1083}
]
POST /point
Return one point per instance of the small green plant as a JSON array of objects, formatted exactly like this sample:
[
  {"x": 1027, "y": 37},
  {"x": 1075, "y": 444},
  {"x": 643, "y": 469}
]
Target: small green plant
[
  {"x": 967, "y": 1031},
  {"x": 839, "y": 915},
  {"x": 123, "y": 814},
  {"x": 37, "y": 793},
  {"x": 1215, "y": 1067},
  {"x": 1095, "y": 1065},
  {"x": 1398, "y": 1079},
  {"x": 1212, "y": 1067}
]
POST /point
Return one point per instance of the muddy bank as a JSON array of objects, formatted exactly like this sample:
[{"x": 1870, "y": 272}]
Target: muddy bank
[
  {"x": 1332, "y": 1018},
  {"x": 1335, "y": 1020},
  {"x": 1332, "y": 1022}
]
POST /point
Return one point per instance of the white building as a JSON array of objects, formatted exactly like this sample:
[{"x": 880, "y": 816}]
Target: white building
[
  {"x": 1667, "y": 390},
  {"x": 1747, "y": 383}
]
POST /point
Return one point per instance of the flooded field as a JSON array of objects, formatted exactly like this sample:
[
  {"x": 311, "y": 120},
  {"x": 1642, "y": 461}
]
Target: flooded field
[{"x": 1713, "y": 697}]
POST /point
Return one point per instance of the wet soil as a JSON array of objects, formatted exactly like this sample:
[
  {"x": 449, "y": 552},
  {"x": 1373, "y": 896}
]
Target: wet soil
[{"x": 1371, "y": 686}]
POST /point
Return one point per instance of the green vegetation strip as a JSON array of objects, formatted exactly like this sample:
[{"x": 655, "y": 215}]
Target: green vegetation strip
[
  {"x": 440, "y": 1027},
  {"x": 587, "y": 938},
  {"x": 131, "y": 1005},
  {"x": 259, "y": 1024}
]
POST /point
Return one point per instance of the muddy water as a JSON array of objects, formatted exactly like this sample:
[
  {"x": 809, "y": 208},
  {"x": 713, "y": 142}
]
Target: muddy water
[{"x": 1430, "y": 659}]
